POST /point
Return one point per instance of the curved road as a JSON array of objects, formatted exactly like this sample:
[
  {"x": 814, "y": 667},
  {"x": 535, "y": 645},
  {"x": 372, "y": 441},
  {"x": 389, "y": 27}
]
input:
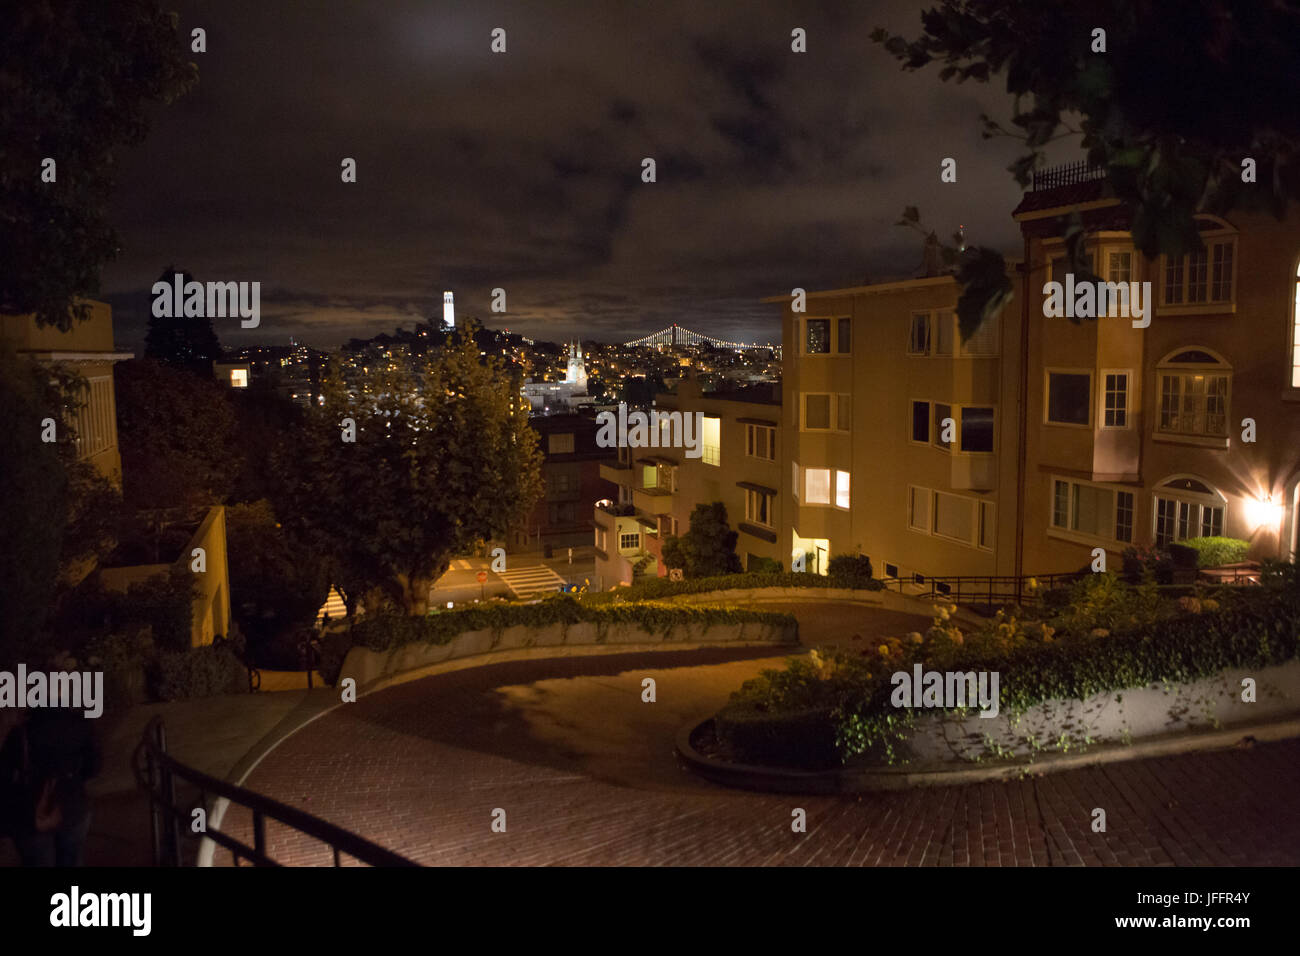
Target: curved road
[{"x": 586, "y": 774}]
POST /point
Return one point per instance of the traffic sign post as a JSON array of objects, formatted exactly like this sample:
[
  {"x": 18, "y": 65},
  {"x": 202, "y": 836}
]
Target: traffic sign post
[{"x": 482, "y": 580}]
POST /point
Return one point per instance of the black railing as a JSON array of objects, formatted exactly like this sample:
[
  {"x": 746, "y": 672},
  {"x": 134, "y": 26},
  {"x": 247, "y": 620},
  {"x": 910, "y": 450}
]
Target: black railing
[
  {"x": 157, "y": 773},
  {"x": 983, "y": 588},
  {"x": 1069, "y": 174}
]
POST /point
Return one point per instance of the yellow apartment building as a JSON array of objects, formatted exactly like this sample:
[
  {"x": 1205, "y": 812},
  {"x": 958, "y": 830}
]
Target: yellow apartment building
[
  {"x": 1187, "y": 427},
  {"x": 739, "y": 464}
]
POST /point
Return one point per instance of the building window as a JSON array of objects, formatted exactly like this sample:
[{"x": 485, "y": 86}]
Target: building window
[
  {"x": 844, "y": 339},
  {"x": 984, "y": 340},
  {"x": 1194, "y": 394},
  {"x": 843, "y": 412},
  {"x": 1201, "y": 278},
  {"x": 817, "y": 412},
  {"x": 944, "y": 326},
  {"x": 918, "y": 509},
  {"x": 1092, "y": 510},
  {"x": 918, "y": 340},
  {"x": 758, "y": 507},
  {"x": 629, "y": 541},
  {"x": 1187, "y": 508},
  {"x": 941, "y": 413},
  {"x": 817, "y": 336},
  {"x": 711, "y": 442},
  {"x": 1069, "y": 398},
  {"x": 760, "y": 442},
  {"x": 600, "y": 539},
  {"x": 560, "y": 443},
  {"x": 1115, "y": 400},
  {"x": 239, "y": 378},
  {"x": 921, "y": 422},
  {"x": 954, "y": 517},
  {"x": 976, "y": 428},
  {"x": 1124, "y": 516},
  {"x": 667, "y": 525},
  {"x": 842, "y": 489},
  {"x": 794, "y": 479},
  {"x": 987, "y": 527},
  {"x": 817, "y": 487}
]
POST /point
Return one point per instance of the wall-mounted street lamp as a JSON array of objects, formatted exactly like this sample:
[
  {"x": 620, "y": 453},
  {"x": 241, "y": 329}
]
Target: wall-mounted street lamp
[{"x": 1265, "y": 514}]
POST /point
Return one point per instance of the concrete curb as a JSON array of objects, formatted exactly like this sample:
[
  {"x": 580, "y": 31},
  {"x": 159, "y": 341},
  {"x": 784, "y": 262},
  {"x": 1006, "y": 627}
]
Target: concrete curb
[{"x": 864, "y": 780}]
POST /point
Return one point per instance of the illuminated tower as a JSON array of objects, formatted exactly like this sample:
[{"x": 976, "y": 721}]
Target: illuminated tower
[
  {"x": 577, "y": 370},
  {"x": 448, "y": 311}
]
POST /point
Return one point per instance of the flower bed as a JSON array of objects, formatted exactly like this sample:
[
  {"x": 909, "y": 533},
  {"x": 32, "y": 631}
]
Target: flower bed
[{"x": 1099, "y": 637}]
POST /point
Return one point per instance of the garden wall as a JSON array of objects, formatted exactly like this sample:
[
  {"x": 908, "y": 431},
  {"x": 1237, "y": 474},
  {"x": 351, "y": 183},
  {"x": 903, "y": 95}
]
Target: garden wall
[
  {"x": 369, "y": 668},
  {"x": 1112, "y": 717}
]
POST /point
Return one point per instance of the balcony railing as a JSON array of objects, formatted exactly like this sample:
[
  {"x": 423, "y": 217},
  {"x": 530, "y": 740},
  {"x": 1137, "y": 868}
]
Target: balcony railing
[
  {"x": 1069, "y": 174},
  {"x": 618, "y": 511}
]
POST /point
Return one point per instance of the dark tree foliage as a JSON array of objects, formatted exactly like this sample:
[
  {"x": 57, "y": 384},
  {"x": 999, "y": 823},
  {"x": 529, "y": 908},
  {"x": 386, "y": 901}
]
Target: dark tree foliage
[
  {"x": 77, "y": 78},
  {"x": 176, "y": 433},
  {"x": 1184, "y": 92},
  {"x": 707, "y": 548},
  {"x": 187, "y": 342},
  {"x": 276, "y": 584}
]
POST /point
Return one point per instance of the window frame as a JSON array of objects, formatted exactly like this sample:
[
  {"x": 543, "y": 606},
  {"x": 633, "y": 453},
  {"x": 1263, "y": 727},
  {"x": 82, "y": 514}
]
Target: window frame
[
  {"x": 1222, "y": 235},
  {"x": 1047, "y": 396},
  {"x": 1068, "y": 532},
  {"x": 833, "y": 349},
  {"x": 1214, "y": 500},
  {"x": 751, "y": 441},
  {"x": 1168, "y": 368},
  {"x": 1103, "y": 392},
  {"x": 929, "y": 421},
  {"x": 752, "y": 498}
]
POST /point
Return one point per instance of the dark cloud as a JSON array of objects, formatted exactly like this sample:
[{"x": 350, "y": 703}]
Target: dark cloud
[{"x": 523, "y": 170}]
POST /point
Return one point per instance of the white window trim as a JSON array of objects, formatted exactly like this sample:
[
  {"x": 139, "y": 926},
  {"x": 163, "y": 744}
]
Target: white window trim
[
  {"x": 833, "y": 339},
  {"x": 1209, "y": 306},
  {"x": 1215, "y": 499},
  {"x": 751, "y": 434},
  {"x": 1128, "y": 399},
  {"x": 932, "y": 503},
  {"x": 1183, "y": 368},
  {"x": 833, "y": 399},
  {"x": 751, "y": 516},
  {"x": 1047, "y": 396},
  {"x": 961, "y": 411},
  {"x": 1083, "y": 537},
  {"x": 929, "y": 338}
]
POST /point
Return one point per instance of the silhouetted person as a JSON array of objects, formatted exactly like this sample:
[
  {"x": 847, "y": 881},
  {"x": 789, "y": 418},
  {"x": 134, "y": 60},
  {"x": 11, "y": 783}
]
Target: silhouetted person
[{"x": 52, "y": 754}]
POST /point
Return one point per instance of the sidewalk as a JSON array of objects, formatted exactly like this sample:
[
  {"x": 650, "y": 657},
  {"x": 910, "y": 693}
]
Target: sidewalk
[{"x": 215, "y": 735}]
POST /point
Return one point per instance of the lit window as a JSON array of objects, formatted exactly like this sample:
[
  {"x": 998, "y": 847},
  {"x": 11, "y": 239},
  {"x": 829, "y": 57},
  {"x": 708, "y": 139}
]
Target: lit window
[
  {"x": 629, "y": 541},
  {"x": 711, "y": 442},
  {"x": 1092, "y": 510},
  {"x": 842, "y": 489},
  {"x": 1295, "y": 337},
  {"x": 1186, "y": 508},
  {"x": 1193, "y": 394},
  {"x": 817, "y": 488},
  {"x": 239, "y": 378}
]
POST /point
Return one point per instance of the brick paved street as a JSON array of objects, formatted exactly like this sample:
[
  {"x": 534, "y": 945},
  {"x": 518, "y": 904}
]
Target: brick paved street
[{"x": 586, "y": 775}]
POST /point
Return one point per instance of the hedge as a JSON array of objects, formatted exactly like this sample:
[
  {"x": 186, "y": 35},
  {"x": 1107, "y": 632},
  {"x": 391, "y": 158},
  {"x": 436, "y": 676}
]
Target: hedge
[
  {"x": 1249, "y": 627},
  {"x": 653, "y": 588},
  {"x": 385, "y": 631},
  {"x": 1213, "y": 552}
]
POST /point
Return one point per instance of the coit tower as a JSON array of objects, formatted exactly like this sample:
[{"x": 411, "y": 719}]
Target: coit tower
[{"x": 448, "y": 311}]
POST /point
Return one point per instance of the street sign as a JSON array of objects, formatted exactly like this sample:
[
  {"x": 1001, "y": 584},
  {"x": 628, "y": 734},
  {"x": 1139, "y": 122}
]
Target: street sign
[{"x": 482, "y": 577}]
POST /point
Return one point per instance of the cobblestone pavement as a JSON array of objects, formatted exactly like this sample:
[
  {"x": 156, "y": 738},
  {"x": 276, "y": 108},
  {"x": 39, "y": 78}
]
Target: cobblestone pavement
[{"x": 585, "y": 773}]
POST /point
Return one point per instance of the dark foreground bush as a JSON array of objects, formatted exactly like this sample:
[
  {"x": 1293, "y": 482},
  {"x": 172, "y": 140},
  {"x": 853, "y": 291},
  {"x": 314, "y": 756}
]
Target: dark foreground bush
[
  {"x": 801, "y": 739},
  {"x": 199, "y": 672}
]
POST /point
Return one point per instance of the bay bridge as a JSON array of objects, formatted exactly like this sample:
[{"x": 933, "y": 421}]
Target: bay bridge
[{"x": 680, "y": 335}]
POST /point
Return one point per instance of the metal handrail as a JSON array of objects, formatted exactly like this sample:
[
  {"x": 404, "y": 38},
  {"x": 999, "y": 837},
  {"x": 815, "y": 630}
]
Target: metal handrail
[{"x": 156, "y": 773}]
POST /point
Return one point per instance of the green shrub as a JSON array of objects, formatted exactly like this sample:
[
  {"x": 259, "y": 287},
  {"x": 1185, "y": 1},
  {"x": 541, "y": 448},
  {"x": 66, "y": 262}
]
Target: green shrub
[
  {"x": 762, "y": 565},
  {"x": 850, "y": 570},
  {"x": 1069, "y": 656},
  {"x": 655, "y": 588},
  {"x": 123, "y": 658},
  {"x": 198, "y": 672},
  {"x": 803, "y": 740},
  {"x": 165, "y": 602},
  {"x": 1215, "y": 551}
]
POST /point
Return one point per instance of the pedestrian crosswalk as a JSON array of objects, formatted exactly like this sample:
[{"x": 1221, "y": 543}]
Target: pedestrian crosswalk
[
  {"x": 461, "y": 564},
  {"x": 531, "y": 582}
]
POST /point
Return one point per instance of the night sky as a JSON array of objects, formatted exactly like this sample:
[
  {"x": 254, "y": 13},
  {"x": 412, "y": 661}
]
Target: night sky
[{"x": 523, "y": 170}]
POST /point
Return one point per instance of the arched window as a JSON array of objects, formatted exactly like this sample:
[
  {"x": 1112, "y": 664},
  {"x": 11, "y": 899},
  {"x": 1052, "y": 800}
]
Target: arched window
[
  {"x": 1203, "y": 280},
  {"x": 1187, "y": 507},
  {"x": 1194, "y": 388}
]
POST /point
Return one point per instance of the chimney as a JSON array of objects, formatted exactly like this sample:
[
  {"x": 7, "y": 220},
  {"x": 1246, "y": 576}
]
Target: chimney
[{"x": 931, "y": 257}]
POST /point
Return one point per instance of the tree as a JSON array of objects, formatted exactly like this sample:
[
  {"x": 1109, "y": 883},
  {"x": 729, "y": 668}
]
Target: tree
[
  {"x": 276, "y": 583},
  {"x": 1184, "y": 91},
  {"x": 78, "y": 80},
  {"x": 176, "y": 433},
  {"x": 185, "y": 342},
  {"x": 708, "y": 548},
  {"x": 443, "y": 455}
]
